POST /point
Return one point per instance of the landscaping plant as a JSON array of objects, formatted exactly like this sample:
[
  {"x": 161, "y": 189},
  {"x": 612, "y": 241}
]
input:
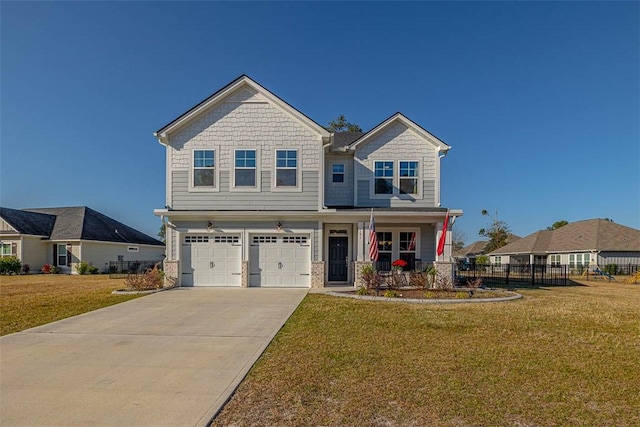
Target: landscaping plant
[{"x": 10, "y": 265}]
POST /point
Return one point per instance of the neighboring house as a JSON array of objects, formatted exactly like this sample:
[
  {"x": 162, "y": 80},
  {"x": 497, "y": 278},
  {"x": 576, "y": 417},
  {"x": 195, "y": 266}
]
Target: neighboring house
[
  {"x": 64, "y": 237},
  {"x": 468, "y": 254},
  {"x": 258, "y": 194},
  {"x": 595, "y": 242}
]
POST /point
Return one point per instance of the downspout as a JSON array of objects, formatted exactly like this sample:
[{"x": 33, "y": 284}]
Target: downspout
[{"x": 442, "y": 155}]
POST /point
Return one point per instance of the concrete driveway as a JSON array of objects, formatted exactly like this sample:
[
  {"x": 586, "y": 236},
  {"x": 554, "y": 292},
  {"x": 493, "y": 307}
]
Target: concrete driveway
[{"x": 167, "y": 359}]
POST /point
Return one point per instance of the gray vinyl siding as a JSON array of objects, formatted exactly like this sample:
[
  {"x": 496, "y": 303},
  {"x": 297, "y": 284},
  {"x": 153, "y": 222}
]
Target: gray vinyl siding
[
  {"x": 338, "y": 193},
  {"x": 364, "y": 199},
  {"x": 619, "y": 258},
  {"x": 427, "y": 242},
  {"x": 307, "y": 199}
]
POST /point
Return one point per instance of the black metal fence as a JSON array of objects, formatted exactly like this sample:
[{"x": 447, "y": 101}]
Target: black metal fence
[
  {"x": 122, "y": 269},
  {"x": 516, "y": 274}
]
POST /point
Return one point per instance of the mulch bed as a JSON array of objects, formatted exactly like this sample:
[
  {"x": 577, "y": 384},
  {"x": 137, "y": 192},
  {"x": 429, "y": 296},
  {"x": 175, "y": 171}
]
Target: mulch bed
[{"x": 443, "y": 294}]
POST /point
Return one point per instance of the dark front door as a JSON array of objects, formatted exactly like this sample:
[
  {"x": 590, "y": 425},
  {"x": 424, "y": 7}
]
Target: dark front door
[{"x": 338, "y": 252}]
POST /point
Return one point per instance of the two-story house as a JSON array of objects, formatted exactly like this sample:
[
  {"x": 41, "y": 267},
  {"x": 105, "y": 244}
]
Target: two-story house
[{"x": 258, "y": 194}]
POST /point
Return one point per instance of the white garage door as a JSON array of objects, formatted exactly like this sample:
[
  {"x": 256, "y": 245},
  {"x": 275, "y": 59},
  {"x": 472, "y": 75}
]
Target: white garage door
[
  {"x": 210, "y": 260},
  {"x": 280, "y": 261}
]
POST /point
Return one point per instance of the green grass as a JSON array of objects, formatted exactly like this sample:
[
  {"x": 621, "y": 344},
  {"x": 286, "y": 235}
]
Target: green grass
[
  {"x": 561, "y": 356},
  {"x": 33, "y": 300}
]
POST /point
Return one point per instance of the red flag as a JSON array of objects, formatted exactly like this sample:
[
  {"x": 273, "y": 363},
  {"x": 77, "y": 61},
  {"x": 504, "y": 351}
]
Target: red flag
[
  {"x": 373, "y": 239},
  {"x": 443, "y": 236}
]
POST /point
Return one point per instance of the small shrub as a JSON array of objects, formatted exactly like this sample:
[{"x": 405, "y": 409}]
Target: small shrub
[
  {"x": 10, "y": 265},
  {"x": 26, "y": 269},
  {"x": 86, "y": 268},
  {"x": 391, "y": 294},
  {"x": 418, "y": 280},
  {"x": 463, "y": 295},
  {"x": 46, "y": 269},
  {"x": 370, "y": 276},
  {"x": 151, "y": 279},
  {"x": 362, "y": 291},
  {"x": 430, "y": 295},
  {"x": 474, "y": 283},
  {"x": 55, "y": 270}
]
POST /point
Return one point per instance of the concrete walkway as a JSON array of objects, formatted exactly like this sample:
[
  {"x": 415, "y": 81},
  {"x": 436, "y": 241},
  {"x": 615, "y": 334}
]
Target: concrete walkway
[{"x": 167, "y": 359}]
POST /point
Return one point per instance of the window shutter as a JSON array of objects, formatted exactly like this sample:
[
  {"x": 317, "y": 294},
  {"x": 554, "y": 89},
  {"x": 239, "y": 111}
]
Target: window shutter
[
  {"x": 14, "y": 249},
  {"x": 55, "y": 255},
  {"x": 68, "y": 255}
]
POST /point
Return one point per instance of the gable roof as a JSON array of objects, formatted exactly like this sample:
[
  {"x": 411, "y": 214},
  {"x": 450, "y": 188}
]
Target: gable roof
[
  {"x": 36, "y": 224},
  {"x": 236, "y": 85},
  {"x": 74, "y": 223},
  {"x": 476, "y": 248},
  {"x": 344, "y": 139},
  {"x": 579, "y": 236},
  {"x": 480, "y": 247},
  {"x": 400, "y": 118}
]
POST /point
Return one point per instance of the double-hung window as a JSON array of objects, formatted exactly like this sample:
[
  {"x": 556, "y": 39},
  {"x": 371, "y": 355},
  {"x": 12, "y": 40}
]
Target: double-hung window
[
  {"x": 407, "y": 249},
  {"x": 204, "y": 168},
  {"x": 245, "y": 168},
  {"x": 286, "y": 168},
  {"x": 383, "y": 177},
  {"x": 5, "y": 249},
  {"x": 408, "y": 177},
  {"x": 338, "y": 172},
  {"x": 62, "y": 254},
  {"x": 385, "y": 250}
]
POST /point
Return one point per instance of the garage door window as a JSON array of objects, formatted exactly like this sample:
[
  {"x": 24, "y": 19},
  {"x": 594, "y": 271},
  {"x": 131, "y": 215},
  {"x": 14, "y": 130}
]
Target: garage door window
[
  {"x": 226, "y": 239},
  {"x": 295, "y": 239},
  {"x": 265, "y": 239},
  {"x": 196, "y": 239}
]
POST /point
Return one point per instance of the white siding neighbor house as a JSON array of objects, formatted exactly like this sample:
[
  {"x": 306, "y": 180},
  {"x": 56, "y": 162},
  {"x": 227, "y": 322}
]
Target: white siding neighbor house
[
  {"x": 65, "y": 237},
  {"x": 258, "y": 194}
]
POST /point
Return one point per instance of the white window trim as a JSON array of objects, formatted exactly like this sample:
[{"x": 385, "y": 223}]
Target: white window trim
[
  {"x": 216, "y": 170},
  {"x": 298, "y": 187},
  {"x": 395, "y": 239},
  {"x": 343, "y": 173},
  {"x": 58, "y": 254},
  {"x": 372, "y": 186},
  {"x": 396, "y": 181},
  {"x": 243, "y": 189},
  {"x": 418, "y": 195}
]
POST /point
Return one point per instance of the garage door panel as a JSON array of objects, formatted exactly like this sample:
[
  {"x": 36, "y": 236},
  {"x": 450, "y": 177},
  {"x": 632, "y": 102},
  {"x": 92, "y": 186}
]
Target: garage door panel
[
  {"x": 213, "y": 260},
  {"x": 280, "y": 261}
]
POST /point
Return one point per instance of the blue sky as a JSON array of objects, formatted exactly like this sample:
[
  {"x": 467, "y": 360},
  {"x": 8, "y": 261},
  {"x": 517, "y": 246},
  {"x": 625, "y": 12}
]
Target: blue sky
[{"x": 539, "y": 100}]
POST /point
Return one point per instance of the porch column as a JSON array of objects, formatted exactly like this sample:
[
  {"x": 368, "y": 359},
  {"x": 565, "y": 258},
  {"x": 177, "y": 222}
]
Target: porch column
[{"x": 360, "y": 242}]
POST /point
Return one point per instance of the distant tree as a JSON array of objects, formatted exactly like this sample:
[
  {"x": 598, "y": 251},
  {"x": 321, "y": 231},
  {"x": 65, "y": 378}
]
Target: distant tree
[
  {"x": 457, "y": 239},
  {"x": 340, "y": 124},
  {"x": 162, "y": 233},
  {"x": 557, "y": 225},
  {"x": 608, "y": 219},
  {"x": 497, "y": 232}
]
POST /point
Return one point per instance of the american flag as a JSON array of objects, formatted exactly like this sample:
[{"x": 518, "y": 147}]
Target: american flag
[
  {"x": 412, "y": 243},
  {"x": 373, "y": 239}
]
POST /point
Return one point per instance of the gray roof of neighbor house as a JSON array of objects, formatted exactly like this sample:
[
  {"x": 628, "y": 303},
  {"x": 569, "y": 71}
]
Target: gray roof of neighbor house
[
  {"x": 476, "y": 248},
  {"x": 344, "y": 139},
  {"x": 579, "y": 236},
  {"x": 73, "y": 223},
  {"x": 479, "y": 247},
  {"x": 36, "y": 224}
]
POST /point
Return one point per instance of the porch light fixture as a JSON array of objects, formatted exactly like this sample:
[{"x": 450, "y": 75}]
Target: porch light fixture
[
  {"x": 209, "y": 226},
  {"x": 279, "y": 226}
]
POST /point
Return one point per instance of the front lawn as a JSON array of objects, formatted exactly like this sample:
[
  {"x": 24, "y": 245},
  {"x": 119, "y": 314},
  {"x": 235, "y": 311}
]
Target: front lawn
[
  {"x": 32, "y": 300},
  {"x": 561, "y": 356}
]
